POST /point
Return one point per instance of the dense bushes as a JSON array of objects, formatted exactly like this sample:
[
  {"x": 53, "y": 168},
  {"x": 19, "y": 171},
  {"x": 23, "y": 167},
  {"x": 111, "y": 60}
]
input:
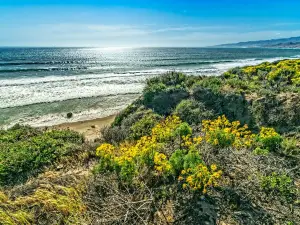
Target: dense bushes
[
  {"x": 129, "y": 160},
  {"x": 277, "y": 74},
  {"x": 281, "y": 111},
  {"x": 143, "y": 126},
  {"x": 162, "y": 94},
  {"x": 190, "y": 150},
  {"x": 173, "y": 158},
  {"x": 163, "y": 101},
  {"x": 45, "y": 200},
  {"x": 131, "y": 127},
  {"x": 279, "y": 185},
  {"x": 25, "y": 150},
  {"x": 258, "y": 161},
  {"x": 222, "y": 133},
  {"x": 192, "y": 112}
]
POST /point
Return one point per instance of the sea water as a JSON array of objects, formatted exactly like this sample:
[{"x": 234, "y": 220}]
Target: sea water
[{"x": 38, "y": 86}]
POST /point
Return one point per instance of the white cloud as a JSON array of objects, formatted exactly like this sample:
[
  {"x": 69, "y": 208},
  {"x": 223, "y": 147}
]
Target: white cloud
[{"x": 104, "y": 35}]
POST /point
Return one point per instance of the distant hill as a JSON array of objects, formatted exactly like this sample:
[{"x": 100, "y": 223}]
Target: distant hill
[{"x": 293, "y": 42}]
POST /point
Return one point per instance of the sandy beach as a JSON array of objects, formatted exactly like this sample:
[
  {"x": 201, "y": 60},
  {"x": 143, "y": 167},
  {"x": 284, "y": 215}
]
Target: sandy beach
[{"x": 89, "y": 128}]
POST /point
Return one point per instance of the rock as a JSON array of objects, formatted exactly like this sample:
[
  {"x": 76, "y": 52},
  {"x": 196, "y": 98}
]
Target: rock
[
  {"x": 93, "y": 126},
  {"x": 69, "y": 115}
]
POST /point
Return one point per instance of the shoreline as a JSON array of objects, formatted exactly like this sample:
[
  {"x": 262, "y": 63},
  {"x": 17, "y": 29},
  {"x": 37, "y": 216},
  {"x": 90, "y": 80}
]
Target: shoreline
[{"x": 89, "y": 128}]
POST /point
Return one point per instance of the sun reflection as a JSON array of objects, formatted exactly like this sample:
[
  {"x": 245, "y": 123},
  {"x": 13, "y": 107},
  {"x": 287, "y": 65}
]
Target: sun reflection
[{"x": 112, "y": 49}]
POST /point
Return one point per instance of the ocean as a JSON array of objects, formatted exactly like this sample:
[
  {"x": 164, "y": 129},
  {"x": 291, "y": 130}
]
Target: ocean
[{"x": 39, "y": 86}]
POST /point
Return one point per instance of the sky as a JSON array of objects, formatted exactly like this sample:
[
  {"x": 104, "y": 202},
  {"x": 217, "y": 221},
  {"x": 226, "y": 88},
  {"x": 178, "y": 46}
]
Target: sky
[{"x": 145, "y": 23}]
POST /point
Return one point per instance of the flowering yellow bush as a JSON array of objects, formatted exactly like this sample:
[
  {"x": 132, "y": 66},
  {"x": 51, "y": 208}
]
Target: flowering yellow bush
[
  {"x": 269, "y": 138},
  {"x": 105, "y": 150},
  {"x": 287, "y": 71},
  {"x": 189, "y": 142},
  {"x": 200, "y": 177},
  {"x": 223, "y": 133},
  {"x": 161, "y": 163},
  {"x": 165, "y": 130},
  {"x": 250, "y": 70},
  {"x": 130, "y": 159}
]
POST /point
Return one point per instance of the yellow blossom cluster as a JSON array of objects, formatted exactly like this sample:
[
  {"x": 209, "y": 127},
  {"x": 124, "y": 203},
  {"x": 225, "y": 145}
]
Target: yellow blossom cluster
[
  {"x": 161, "y": 163},
  {"x": 200, "y": 177},
  {"x": 285, "y": 70},
  {"x": 105, "y": 150},
  {"x": 269, "y": 138},
  {"x": 223, "y": 133},
  {"x": 190, "y": 142},
  {"x": 165, "y": 130},
  {"x": 129, "y": 159},
  {"x": 267, "y": 132}
]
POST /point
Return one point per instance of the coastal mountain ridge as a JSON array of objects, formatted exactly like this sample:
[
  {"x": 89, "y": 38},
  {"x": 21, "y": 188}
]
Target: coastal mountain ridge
[{"x": 292, "y": 42}]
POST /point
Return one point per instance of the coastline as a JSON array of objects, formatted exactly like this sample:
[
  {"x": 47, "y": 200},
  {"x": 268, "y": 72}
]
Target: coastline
[{"x": 89, "y": 128}]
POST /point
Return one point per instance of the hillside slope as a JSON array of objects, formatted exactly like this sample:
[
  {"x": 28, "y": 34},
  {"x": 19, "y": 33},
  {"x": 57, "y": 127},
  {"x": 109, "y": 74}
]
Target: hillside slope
[
  {"x": 293, "y": 42},
  {"x": 190, "y": 150}
]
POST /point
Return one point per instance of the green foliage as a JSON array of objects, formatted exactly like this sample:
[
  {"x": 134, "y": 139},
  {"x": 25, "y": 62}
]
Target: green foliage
[
  {"x": 163, "y": 93},
  {"x": 177, "y": 161},
  {"x": 192, "y": 112},
  {"x": 269, "y": 139},
  {"x": 54, "y": 204},
  {"x": 277, "y": 75},
  {"x": 32, "y": 150},
  {"x": 114, "y": 134},
  {"x": 291, "y": 146},
  {"x": 260, "y": 151},
  {"x": 169, "y": 79},
  {"x": 125, "y": 113},
  {"x": 281, "y": 111},
  {"x": 151, "y": 91},
  {"x": 278, "y": 184},
  {"x": 212, "y": 83},
  {"x": 183, "y": 130},
  {"x": 143, "y": 126},
  {"x": 163, "y": 101},
  {"x": 18, "y": 133},
  {"x": 192, "y": 159},
  {"x": 127, "y": 171}
]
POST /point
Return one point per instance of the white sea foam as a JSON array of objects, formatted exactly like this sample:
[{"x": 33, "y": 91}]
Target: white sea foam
[{"x": 27, "y": 91}]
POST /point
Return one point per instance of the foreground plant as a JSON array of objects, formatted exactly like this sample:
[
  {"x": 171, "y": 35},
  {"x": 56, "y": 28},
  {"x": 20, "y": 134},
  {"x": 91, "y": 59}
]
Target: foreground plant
[
  {"x": 223, "y": 133},
  {"x": 159, "y": 156}
]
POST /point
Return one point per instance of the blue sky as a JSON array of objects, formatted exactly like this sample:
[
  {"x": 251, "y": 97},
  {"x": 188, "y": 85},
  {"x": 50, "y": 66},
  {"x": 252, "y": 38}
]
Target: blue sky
[{"x": 133, "y": 23}]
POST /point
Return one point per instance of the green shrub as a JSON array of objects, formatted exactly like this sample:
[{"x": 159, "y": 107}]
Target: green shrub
[
  {"x": 290, "y": 146},
  {"x": 26, "y": 155},
  {"x": 125, "y": 113},
  {"x": 143, "y": 126},
  {"x": 177, "y": 161},
  {"x": 278, "y": 184},
  {"x": 192, "y": 112},
  {"x": 165, "y": 100},
  {"x": 114, "y": 134},
  {"x": 18, "y": 133},
  {"x": 260, "y": 151},
  {"x": 169, "y": 79},
  {"x": 192, "y": 159},
  {"x": 270, "y": 139},
  {"x": 150, "y": 91},
  {"x": 163, "y": 93},
  {"x": 212, "y": 83},
  {"x": 183, "y": 130}
]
